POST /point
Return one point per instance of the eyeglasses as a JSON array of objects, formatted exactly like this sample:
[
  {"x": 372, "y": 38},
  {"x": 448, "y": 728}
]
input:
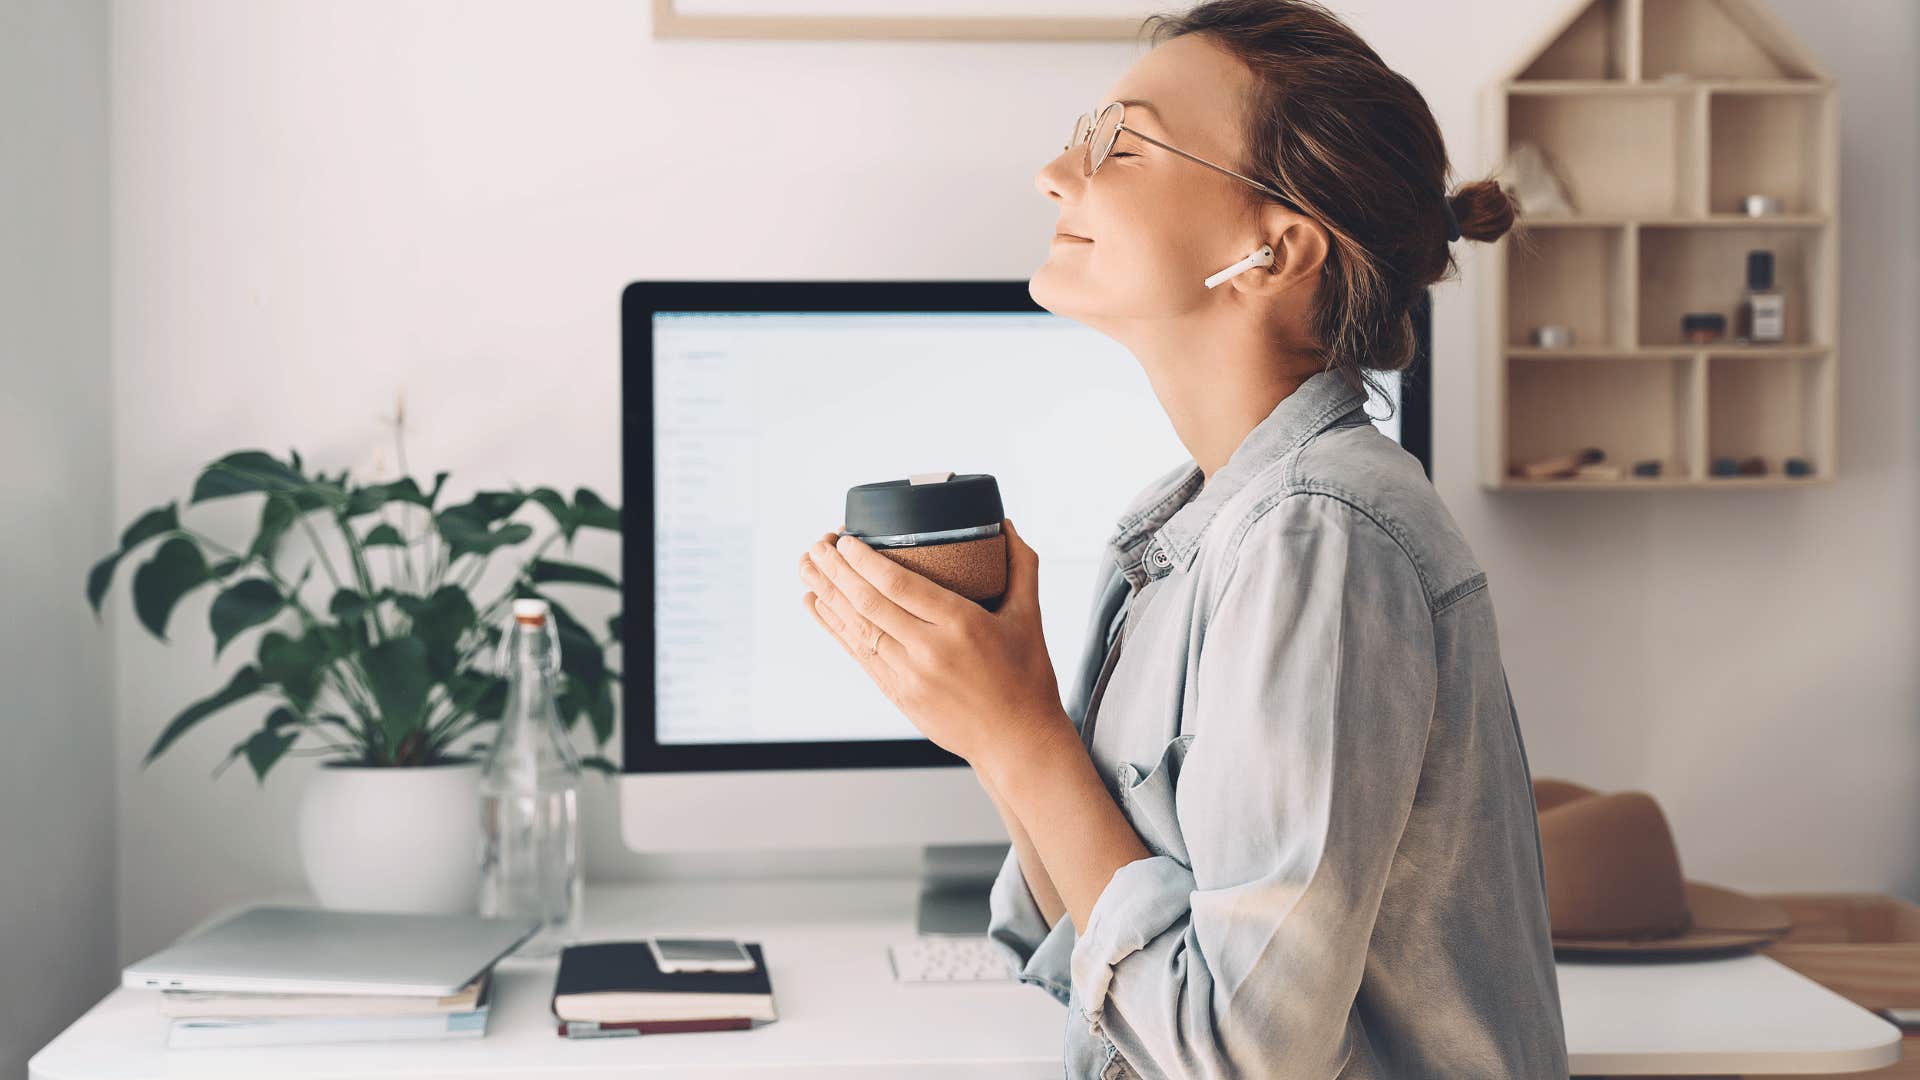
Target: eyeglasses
[{"x": 1099, "y": 132}]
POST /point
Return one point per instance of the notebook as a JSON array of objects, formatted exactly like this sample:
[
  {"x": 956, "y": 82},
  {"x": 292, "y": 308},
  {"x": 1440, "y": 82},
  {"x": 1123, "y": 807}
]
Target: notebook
[
  {"x": 297, "y": 950},
  {"x": 461, "y": 1017},
  {"x": 617, "y": 983}
]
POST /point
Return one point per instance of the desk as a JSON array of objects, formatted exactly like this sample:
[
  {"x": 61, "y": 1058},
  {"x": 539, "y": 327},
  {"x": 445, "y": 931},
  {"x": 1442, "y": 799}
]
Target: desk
[{"x": 842, "y": 1015}]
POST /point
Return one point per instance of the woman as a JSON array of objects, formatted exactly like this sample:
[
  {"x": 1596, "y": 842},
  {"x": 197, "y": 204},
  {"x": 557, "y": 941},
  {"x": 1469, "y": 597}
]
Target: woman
[{"x": 1285, "y": 825}]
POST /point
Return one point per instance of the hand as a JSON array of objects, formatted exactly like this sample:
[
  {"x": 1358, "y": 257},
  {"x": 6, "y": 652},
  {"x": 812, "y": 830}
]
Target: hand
[{"x": 976, "y": 682}]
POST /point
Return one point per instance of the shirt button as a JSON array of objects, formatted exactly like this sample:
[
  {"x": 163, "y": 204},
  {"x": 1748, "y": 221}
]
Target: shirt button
[{"x": 1161, "y": 558}]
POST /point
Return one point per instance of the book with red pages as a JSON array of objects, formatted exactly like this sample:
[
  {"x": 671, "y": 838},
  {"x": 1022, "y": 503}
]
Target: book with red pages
[
  {"x": 593, "y": 1029},
  {"x": 615, "y": 983}
]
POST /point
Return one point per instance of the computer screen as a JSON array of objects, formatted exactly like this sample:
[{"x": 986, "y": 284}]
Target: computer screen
[{"x": 753, "y": 407}]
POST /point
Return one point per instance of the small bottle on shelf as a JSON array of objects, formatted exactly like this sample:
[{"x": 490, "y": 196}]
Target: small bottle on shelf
[{"x": 1763, "y": 311}]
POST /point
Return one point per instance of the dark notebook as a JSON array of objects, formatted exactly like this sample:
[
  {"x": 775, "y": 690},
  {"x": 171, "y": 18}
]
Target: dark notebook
[{"x": 617, "y": 982}]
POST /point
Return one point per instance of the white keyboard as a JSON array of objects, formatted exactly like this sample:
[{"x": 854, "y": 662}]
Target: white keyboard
[{"x": 939, "y": 959}]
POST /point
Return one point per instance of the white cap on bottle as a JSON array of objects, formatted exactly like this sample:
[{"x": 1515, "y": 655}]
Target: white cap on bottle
[{"x": 531, "y": 609}]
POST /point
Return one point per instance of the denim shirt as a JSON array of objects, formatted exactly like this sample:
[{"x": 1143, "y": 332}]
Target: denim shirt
[{"x": 1292, "y": 687}]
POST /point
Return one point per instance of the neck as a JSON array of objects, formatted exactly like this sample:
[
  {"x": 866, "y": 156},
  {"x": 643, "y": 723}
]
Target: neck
[{"x": 1216, "y": 378}]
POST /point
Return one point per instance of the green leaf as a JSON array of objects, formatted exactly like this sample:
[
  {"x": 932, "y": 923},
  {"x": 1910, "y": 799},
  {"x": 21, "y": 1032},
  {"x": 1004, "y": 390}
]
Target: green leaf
[
  {"x": 175, "y": 570},
  {"x": 266, "y": 747},
  {"x": 600, "y": 713},
  {"x": 439, "y": 621},
  {"x": 153, "y": 523},
  {"x": 599, "y": 763},
  {"x": 383, "y": 534},
  {"x": 467, "y": 530},
  {"x": 296, "y": 665},
  {"x": 245, "y": 605},
  {"x": 397, "y": 675},
  {"x": 594, "y": 512},
  {"x": 499, "y": 504},
  {"x": 580, "y": 655},
  {"x": 614, "y": 626},
  {"x": 348, "y": 605},
  {"x": 225, "y": 567},
  {"x": 277, "y": 515},
  {"x": 244, "y": 683},
  {"x": 439, "y": 481},
  {"x": 366, "y": 500},
  {"x": 246, "y": 471},
  {"x": 545, "y": 571},
  {"x": 564, "y": 516}
]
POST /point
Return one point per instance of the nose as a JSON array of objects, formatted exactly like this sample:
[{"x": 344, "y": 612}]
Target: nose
[{"x": 1059, "y": 175}]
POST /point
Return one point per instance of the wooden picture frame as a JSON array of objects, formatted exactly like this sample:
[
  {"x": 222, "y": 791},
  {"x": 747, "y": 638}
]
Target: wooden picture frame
[{"x": 944, "y": 20}]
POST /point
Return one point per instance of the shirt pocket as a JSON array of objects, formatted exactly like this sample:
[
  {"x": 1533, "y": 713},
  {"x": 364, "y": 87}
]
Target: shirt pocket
[{"x": 1148, "y": 804}]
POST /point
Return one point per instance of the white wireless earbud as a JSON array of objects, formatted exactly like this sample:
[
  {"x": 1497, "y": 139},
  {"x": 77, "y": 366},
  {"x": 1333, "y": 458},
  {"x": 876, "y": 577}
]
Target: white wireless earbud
[{"x": 1263, "y": 257}]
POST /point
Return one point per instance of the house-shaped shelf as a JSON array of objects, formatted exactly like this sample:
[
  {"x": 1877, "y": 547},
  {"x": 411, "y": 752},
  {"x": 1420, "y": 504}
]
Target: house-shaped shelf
[{"x": 1660, "y": 118}]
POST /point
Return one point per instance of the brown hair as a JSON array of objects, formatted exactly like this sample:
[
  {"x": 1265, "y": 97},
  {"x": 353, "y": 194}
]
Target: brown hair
[{"x": 1354, "y": 145}]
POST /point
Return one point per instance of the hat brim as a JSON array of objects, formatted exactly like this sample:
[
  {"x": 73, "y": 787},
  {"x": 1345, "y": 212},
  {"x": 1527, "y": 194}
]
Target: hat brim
[{"x": 1723, "y": 920}]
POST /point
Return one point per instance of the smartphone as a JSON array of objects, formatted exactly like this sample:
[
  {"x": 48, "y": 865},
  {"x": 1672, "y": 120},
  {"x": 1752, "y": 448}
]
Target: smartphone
[{"x": 699, "y": 954}]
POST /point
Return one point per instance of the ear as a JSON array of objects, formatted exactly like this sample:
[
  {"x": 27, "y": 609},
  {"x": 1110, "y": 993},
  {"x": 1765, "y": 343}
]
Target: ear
[{"x": 1300, "y": 246}]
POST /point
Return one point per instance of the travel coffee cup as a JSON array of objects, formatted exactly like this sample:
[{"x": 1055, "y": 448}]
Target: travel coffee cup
[{"x": 943, "y": 526}]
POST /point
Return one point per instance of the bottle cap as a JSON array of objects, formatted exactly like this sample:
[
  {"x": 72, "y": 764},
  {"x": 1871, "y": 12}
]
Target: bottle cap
[
  {"x": 532, "y": 611},
  {"x": 1760, "y": 269}
]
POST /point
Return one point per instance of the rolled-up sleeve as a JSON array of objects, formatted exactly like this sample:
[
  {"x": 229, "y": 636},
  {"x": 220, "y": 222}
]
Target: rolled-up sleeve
[
  {"x": 1039, "y": 955},
  {"x": 1315, "y": 691}
]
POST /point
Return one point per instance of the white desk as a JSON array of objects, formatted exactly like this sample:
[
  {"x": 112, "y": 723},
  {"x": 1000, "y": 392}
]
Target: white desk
[{"x": 842, "y": 1015}]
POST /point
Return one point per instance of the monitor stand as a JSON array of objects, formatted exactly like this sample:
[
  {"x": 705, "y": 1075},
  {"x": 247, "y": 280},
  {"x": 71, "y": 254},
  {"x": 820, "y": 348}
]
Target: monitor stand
[{"x": 955, "y": 882}]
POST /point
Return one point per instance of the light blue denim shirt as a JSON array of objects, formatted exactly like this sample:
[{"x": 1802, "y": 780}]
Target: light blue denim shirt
[{"x": 1292, "y": 686}]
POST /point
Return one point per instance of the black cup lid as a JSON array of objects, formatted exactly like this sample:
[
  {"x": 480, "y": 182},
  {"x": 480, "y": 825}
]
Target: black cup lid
[{"x": 891, "y": 507}]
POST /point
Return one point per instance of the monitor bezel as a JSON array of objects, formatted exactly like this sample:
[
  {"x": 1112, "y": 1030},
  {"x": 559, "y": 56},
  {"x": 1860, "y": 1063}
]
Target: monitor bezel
[{"x": 642, "y": 751}]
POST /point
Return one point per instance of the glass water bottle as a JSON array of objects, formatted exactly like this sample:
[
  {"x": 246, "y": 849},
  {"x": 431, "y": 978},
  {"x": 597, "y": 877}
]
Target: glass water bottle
[{"x": 530, "y": 790}]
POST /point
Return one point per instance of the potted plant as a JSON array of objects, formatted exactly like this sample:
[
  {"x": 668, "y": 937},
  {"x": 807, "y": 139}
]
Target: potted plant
[{"x": 391, "y": 677}]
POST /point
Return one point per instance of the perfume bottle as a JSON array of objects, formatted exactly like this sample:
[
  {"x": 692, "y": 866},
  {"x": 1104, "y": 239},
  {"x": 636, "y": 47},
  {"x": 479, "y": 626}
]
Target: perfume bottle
[{"x": 1763, "y": 311}]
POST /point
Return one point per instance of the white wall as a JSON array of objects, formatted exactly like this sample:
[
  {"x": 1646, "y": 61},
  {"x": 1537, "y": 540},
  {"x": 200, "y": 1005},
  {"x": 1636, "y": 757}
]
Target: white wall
[
  {"x": 56, "y": 665},
  {"x": 316, "y": 203}
]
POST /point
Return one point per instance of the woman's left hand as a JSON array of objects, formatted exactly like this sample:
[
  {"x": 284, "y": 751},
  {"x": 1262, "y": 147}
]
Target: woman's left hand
[{"x": 974, "y": 681}]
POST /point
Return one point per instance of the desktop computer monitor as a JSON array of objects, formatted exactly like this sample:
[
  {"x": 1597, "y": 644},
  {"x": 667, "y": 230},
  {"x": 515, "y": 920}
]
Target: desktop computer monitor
[{"x": 749, "y": 410}]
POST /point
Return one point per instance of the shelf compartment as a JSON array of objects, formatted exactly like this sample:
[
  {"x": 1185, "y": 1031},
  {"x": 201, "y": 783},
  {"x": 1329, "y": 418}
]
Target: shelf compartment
[
  {"x": 1632, "y": 408},
  {"x": 1768, "y": 144},
  {"x": 1706, "y": 39},
  {"x": 1553, "y": 275},
  {"x": 1596, "y": 44},
  {"x": 1772, "y": 404},
  {"x": 1627, "y": 153},
  {"x": 1687, "y": 268}
]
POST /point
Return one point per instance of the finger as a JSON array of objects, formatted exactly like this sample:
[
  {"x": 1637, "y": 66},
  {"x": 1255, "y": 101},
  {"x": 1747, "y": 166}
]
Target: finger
[
  {"x": 855, "y": 597},
  {"x": 810, "y": 602},
  {"x": 892, "y": 653},
  {"x": 913, "y": 593},
  {"x": 1023, "y": 568},
  {"x": 856, "y": 631}
]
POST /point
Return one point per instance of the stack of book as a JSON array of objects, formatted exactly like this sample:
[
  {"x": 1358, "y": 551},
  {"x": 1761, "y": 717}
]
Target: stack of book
[
  {"x": 217, "y": 1018},
  {"x": 615, "y": 988},
  {"x": 273, "y": 975}
]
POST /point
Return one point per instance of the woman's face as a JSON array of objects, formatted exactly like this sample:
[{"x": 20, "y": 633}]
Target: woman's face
[{"x": 1150, "y": 226}]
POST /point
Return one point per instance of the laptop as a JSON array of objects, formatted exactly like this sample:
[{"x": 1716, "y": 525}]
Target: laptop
[{"x": 293, "y": 950}]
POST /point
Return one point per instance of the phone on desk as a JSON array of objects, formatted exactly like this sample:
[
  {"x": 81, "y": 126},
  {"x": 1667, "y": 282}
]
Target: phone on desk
[{"x": 699, "y": 954}]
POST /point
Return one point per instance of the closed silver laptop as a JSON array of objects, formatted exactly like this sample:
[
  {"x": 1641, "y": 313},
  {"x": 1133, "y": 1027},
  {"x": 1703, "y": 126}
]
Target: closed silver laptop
[{"x": 294, "y": 950}]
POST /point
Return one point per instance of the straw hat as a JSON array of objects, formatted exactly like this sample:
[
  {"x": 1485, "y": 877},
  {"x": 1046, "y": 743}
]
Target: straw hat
[{"x": 1614, "y": 883}]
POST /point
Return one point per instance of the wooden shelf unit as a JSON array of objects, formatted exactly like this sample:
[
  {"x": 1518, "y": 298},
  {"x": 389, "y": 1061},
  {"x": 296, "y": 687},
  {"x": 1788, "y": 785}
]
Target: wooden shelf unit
[{"x": 1660, "y": 117}]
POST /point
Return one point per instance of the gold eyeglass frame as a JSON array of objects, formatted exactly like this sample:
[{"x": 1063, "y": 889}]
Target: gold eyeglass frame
[{"x": 1087, "y": 123}]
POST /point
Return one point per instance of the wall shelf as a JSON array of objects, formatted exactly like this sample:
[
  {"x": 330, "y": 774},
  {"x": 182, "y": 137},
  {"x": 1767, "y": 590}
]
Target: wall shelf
[{"x": 1661, "y": 116}]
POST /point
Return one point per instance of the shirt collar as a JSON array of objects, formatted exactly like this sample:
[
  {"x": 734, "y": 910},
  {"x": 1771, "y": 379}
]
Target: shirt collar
[{"x": 1176, "y": 509}]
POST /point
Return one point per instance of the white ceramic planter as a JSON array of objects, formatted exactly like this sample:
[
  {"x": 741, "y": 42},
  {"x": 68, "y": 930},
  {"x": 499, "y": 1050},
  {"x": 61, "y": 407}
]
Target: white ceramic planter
[{"x": 393, "y": 839}]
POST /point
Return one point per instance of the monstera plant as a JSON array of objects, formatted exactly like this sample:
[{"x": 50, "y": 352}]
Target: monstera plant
[{"x": 393, "y": 669}]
